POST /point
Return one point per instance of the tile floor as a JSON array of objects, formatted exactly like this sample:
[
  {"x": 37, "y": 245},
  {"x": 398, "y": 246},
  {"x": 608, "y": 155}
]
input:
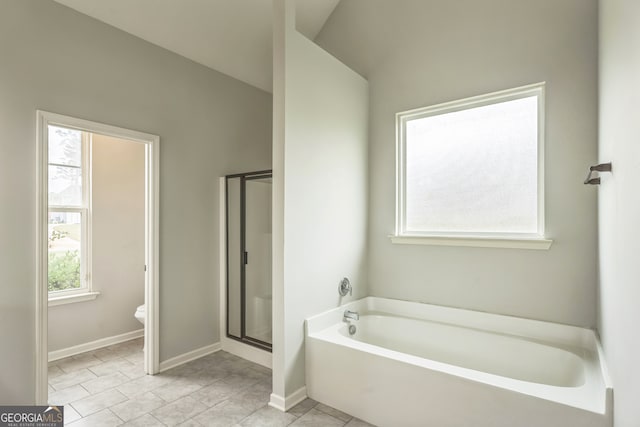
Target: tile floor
[{"x": 108, "y": 387}]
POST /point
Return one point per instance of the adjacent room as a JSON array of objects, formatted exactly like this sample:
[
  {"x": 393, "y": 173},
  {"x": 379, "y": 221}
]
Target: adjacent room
[{"x": 320, "y": 212}]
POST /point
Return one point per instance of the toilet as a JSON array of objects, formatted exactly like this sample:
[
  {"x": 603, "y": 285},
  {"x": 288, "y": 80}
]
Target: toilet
[{"x": 139, "y": 314}]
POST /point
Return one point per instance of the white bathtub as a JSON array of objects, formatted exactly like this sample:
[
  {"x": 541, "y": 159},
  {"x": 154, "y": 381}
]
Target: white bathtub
[{"x": 411, "y": 364}]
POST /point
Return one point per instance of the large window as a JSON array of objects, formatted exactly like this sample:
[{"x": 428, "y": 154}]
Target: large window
[
  {"x": 473, "y": 169},
  {"x": 68, "y": 214}
]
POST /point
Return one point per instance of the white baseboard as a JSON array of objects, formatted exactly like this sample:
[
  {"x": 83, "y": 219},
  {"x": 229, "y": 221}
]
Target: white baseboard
[
  {"x": 247, "y": 352},
  {"x": 278, "y": 402},
  {"x": 189, "y": 356},
  {"x": 94, "y": 345},
  {"x": 284, "y": 404}
]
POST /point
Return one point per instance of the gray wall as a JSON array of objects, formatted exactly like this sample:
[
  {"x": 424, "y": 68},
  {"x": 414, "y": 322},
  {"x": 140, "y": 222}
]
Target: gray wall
[
  {"x": 420, "y": 53},
  {"x": 619, "y": 202},
  {"x": 325, "y": 191},
  {"x": 320, "y": 192},
  {"x": 209, "y": 125},
  {"x": 117, "y": 233}
]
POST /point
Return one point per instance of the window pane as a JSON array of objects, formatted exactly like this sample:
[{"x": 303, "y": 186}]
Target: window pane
[
  {"x": 65, "y": 186},
  {"x": 474, "y": 170},
  {"x": 65, "y": 146},
  {"x": 64, "y": 250}
]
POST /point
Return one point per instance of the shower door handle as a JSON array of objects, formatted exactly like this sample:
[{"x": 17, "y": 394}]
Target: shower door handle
[{"x": 246, "y": 258}]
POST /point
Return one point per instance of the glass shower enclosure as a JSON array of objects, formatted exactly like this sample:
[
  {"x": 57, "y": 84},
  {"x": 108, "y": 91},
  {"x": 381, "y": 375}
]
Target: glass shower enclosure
[{"x": 248, "y": 224}]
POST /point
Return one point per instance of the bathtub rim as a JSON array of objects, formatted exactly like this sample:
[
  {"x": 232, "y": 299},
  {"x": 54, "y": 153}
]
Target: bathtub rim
[{"x": 557, "y": 333}]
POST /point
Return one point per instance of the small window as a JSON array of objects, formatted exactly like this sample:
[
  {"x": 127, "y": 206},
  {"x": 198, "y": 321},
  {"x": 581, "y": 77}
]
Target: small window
[
  {"x": 68, "y": 231},
  {"x": 473, "y": 168}
]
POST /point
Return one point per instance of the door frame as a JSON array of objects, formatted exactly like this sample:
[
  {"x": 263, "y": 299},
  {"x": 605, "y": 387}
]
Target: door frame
[{"x": 152, "y": 239}]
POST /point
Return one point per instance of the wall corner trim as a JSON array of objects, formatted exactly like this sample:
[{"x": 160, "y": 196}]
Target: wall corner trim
[
  {"x": 285, "y": 403},
  {"x": 189, "y": 356}
]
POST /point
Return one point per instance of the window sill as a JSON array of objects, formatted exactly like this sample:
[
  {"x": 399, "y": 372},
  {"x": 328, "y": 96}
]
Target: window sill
[
  {"x": 70, "y": 299},
  {"x": 476, "y": 242}
]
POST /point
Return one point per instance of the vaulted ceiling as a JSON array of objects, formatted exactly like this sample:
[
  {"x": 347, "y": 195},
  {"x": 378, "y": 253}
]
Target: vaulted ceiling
[{"x": 230, "y": 36}]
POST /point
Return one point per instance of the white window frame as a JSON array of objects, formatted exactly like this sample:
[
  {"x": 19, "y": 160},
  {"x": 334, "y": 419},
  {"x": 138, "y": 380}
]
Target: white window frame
[
  {"x": 85, "y": 291},
  {"x": 477, "y": 239}
]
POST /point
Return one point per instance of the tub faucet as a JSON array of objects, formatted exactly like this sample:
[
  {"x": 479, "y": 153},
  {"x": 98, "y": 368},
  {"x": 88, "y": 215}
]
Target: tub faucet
[
  {"x": 353, "y": 315},
  {"x": 345, "y": 287}
]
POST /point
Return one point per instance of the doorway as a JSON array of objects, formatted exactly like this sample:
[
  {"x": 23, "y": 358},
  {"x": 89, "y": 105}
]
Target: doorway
[{"x": 63, "y": 220}]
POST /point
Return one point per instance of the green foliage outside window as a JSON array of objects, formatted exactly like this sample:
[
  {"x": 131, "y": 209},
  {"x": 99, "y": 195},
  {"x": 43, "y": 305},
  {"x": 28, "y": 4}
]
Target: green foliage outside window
[
  {"x": 64, "y": 270},
  {"x": 64, "y": 267}
]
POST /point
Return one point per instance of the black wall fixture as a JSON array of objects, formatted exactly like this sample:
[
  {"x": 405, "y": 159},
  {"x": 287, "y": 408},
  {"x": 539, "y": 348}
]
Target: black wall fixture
[{"x": 602, "y": 167}]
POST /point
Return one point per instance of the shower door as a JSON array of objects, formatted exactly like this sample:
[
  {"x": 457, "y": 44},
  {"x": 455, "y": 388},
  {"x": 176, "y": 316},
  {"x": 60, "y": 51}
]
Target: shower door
[{"x": 249, "y": 258}]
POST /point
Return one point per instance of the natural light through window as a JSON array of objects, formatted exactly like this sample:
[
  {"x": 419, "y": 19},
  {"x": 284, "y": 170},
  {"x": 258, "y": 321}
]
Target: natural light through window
[
  {"x": 473, "y": 168},
  {"x": 68, "y": 210}
]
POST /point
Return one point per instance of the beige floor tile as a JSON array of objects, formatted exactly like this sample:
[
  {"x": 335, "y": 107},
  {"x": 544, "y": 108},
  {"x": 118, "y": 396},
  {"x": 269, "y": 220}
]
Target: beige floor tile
[
  {"x": 109, "y": 387},
  {"x": 315, "y": 418},
  {"x": 179, "y": 411},
  {"x": 143, "y": 385},
  {"x": 78, "y": 362},
  {"x": 70, "y": 414},
  {"x": 261, "y": 369},
  {"x": 137, "y": 406},
  {"x": 226, "y": 413},
  {"x": 107, "y": 354},
  {"x": 358, "y": 423},
  {"x": 97, "y": 402},
  {"x": 111, "y": 366},
  {"x": 71, "y": 379},
  {"x": 239, "y": 381},
  {"x": 55, "y": 371},
  {"x": 67, "y": 395},
  {"x": 133, "y": 371},
  {"x": 303, "y": 407},
  {"x": 252, "y": 398},
  {"x": 146, "y": 420},
  {"x": 104, "y": 418},
  {"x": 135, "y": 358},
  {"x": 333, "y": 412},
  {"x": 190, "y": 423},
  {"x": 199, "y": 375},
  {"x": 215, "y": 393},
  {"x": 268, "y": 417},
  {"x": 105, "y": 382},
  {"x": 176, "y": 389}
]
